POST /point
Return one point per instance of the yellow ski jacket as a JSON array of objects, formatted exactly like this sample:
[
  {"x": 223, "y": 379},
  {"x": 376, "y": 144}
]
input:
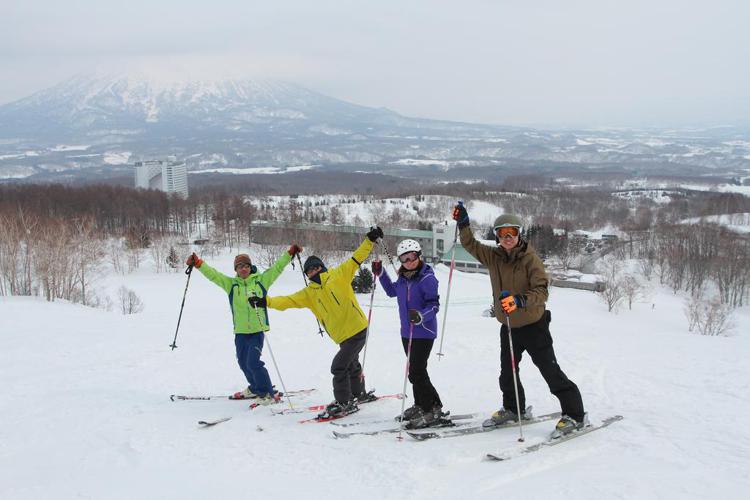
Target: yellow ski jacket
[{"x": 332, "y": 301}]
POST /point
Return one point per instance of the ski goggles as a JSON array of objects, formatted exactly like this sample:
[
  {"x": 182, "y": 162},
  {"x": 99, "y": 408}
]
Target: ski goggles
[
  {"x": 506, "y": 232},
  {"x": 408, "y": 257}
]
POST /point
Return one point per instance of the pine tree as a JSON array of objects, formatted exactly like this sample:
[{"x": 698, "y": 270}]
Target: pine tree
[
  {"x": 172, "y": 259},
  {"x": 363, "y": 281}
]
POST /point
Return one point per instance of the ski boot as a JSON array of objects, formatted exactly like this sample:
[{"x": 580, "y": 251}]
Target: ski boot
[
  {"x": 567, "y": 424},
  {"x": 338, "y": 410},
  {"x": 266, "y": 399},
  {"x": 245, "y": 394},
  {"x": 503, "y": 416},
  {"x": 366, "y": 397},
  {"x": 409, "y": 413},
  {"x": 432, "y": 418}
]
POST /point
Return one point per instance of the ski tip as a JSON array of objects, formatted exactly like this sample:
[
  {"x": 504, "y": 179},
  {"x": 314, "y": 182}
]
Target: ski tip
[
  {"x": 171, "y": 397},
  {"x": 491, "y": 457},
  {"x": 204, "y": 423},
  {"x": 423, "y": 436}
]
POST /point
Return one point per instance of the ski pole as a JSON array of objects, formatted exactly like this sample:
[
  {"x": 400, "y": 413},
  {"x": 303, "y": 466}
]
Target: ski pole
[
  {"x": 369, "y": 321},
  {"x": 515, "y": 380},
  {"x": 406, "y": 371},
  {"x": 278, "y": 373},
  {"x": 304, "y": 277},
  {"x": 188, "y": 271},
  {"x": 388, "y": 254},
  {"x": 273, "y": 358},
  {"x": 448, "y": 293}
]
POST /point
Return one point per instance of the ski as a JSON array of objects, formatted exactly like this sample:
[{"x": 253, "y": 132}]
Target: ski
[
  {"x": 477, "y": 429},
  {"x": 180, "y": 397},
  {"x": 498, "y": 457},
  {"x": 393, "y": 420},
  {"x": 445, "y": 422},
  {"x": 211, "y": 423},
  {"x": 323, "y": 406},
  {"x": 320, "y": 418}
]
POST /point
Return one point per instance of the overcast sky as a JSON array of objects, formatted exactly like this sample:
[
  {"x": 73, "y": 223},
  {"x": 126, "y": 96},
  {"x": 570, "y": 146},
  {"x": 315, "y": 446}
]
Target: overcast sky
[{"x": 514, "y": 62}]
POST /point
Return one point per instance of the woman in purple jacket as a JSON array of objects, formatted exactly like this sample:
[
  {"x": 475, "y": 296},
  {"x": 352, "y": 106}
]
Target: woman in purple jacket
[{"x": 416, "y": 290}]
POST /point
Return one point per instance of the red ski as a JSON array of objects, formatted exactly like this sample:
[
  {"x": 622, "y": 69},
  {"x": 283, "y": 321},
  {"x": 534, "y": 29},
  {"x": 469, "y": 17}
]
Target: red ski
[{"x": 321, "y": 418}]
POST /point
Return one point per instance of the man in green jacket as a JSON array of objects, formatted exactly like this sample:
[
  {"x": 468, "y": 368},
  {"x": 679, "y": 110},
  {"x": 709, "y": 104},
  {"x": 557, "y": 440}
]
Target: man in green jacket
[{"x": 249, "y": 323}]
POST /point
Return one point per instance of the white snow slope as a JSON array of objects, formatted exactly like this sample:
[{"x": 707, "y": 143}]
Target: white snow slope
[{"x": 86, "y": 411}]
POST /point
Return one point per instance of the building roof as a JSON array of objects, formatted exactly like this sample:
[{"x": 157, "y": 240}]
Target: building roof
[
  {"x": 340, "y": 228},
  {"x": 462, "y": 255}
]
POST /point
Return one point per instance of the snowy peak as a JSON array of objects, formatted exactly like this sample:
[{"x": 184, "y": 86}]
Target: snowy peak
[{"x": 87, "y": 99}]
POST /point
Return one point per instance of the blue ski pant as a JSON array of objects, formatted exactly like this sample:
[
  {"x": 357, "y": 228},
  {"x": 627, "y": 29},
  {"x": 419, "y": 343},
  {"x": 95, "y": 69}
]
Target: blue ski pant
[{"x": 249, "y": 347}]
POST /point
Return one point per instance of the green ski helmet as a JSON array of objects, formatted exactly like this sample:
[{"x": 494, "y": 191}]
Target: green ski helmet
[{"x": 508, "y": 220}]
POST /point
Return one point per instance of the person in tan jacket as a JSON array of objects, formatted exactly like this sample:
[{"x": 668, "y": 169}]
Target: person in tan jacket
[{"x": 519, "y": 292}]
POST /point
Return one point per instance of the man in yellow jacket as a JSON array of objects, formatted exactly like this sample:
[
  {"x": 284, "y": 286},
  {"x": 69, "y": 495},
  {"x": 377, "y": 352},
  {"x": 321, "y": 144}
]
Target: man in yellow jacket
[{"x": 330, "y": 297}]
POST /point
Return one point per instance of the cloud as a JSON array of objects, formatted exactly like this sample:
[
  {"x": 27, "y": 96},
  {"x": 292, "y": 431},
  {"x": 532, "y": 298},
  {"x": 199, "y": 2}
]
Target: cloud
[{"x": 597, "y": 62}]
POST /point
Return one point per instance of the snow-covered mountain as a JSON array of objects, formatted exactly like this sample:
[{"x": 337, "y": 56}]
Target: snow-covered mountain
[
  {"x": 139, "y": 104},
  {"x": 105, "y": 121}
]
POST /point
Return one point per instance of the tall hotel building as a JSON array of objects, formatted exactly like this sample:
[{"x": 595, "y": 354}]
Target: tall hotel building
[{"x": 169, "y": 176}]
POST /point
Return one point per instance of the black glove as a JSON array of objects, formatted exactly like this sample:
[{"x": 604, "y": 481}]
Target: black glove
[
  {"x": 414, "y": 317},
  {"x": 374, "y": 234},
  {"x": 256, "y": 301},
  {"x": 460, "y": 215},
  {"x": 377, "y": 267}
]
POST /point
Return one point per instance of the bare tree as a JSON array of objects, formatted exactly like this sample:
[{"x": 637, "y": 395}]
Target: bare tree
[
  {"x": 53, "y": 260},
  {"x": 708, "y": 317},
  {"x": 114, "y": 249},
  {"x": 268, "y": 254},
  {"x": 159, "y": 250},
  {"x": 567, "y": 254},
  {"x": 10, "y": 248},
  {"x": 130, "y": 303},
  {"x": 89, "y": 249},
  {"x": 632, "y": 289},
  {"x": 646, "y": 266},
  {"x": 613, "y": 294}
]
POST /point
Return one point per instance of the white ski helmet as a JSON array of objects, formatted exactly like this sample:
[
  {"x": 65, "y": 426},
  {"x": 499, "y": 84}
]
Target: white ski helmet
[{"x": 407, "y": 246}]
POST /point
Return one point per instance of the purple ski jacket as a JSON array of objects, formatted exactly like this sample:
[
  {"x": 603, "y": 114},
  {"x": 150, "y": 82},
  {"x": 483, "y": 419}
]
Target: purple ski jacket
[{"x": 420, "y": 293}]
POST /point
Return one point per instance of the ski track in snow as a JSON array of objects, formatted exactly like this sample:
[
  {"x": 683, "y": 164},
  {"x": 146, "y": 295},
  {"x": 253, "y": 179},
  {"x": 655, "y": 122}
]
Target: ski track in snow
[{"x": 86, "y": 401}]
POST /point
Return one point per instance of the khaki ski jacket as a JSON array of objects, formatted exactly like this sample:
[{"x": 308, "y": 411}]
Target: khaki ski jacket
[{"x": 520, "y": 272}]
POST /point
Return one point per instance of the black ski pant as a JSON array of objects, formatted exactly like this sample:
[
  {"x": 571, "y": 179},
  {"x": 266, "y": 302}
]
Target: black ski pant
[
  {"x": 346, "y": 370},
  {"x": 537, "y": 341},
  {"x": 425, "y": 395}
]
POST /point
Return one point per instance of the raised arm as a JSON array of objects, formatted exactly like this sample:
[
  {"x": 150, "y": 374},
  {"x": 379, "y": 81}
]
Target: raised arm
[
  {"x": 388, "y": 287},
  {"x": 222, "y": 280},
  {"x": 482, "y": 253},
  {"x": 297, "y": 300},
  {"x": 348, "y": 268},
  {"x": 272, "y": 273}
]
